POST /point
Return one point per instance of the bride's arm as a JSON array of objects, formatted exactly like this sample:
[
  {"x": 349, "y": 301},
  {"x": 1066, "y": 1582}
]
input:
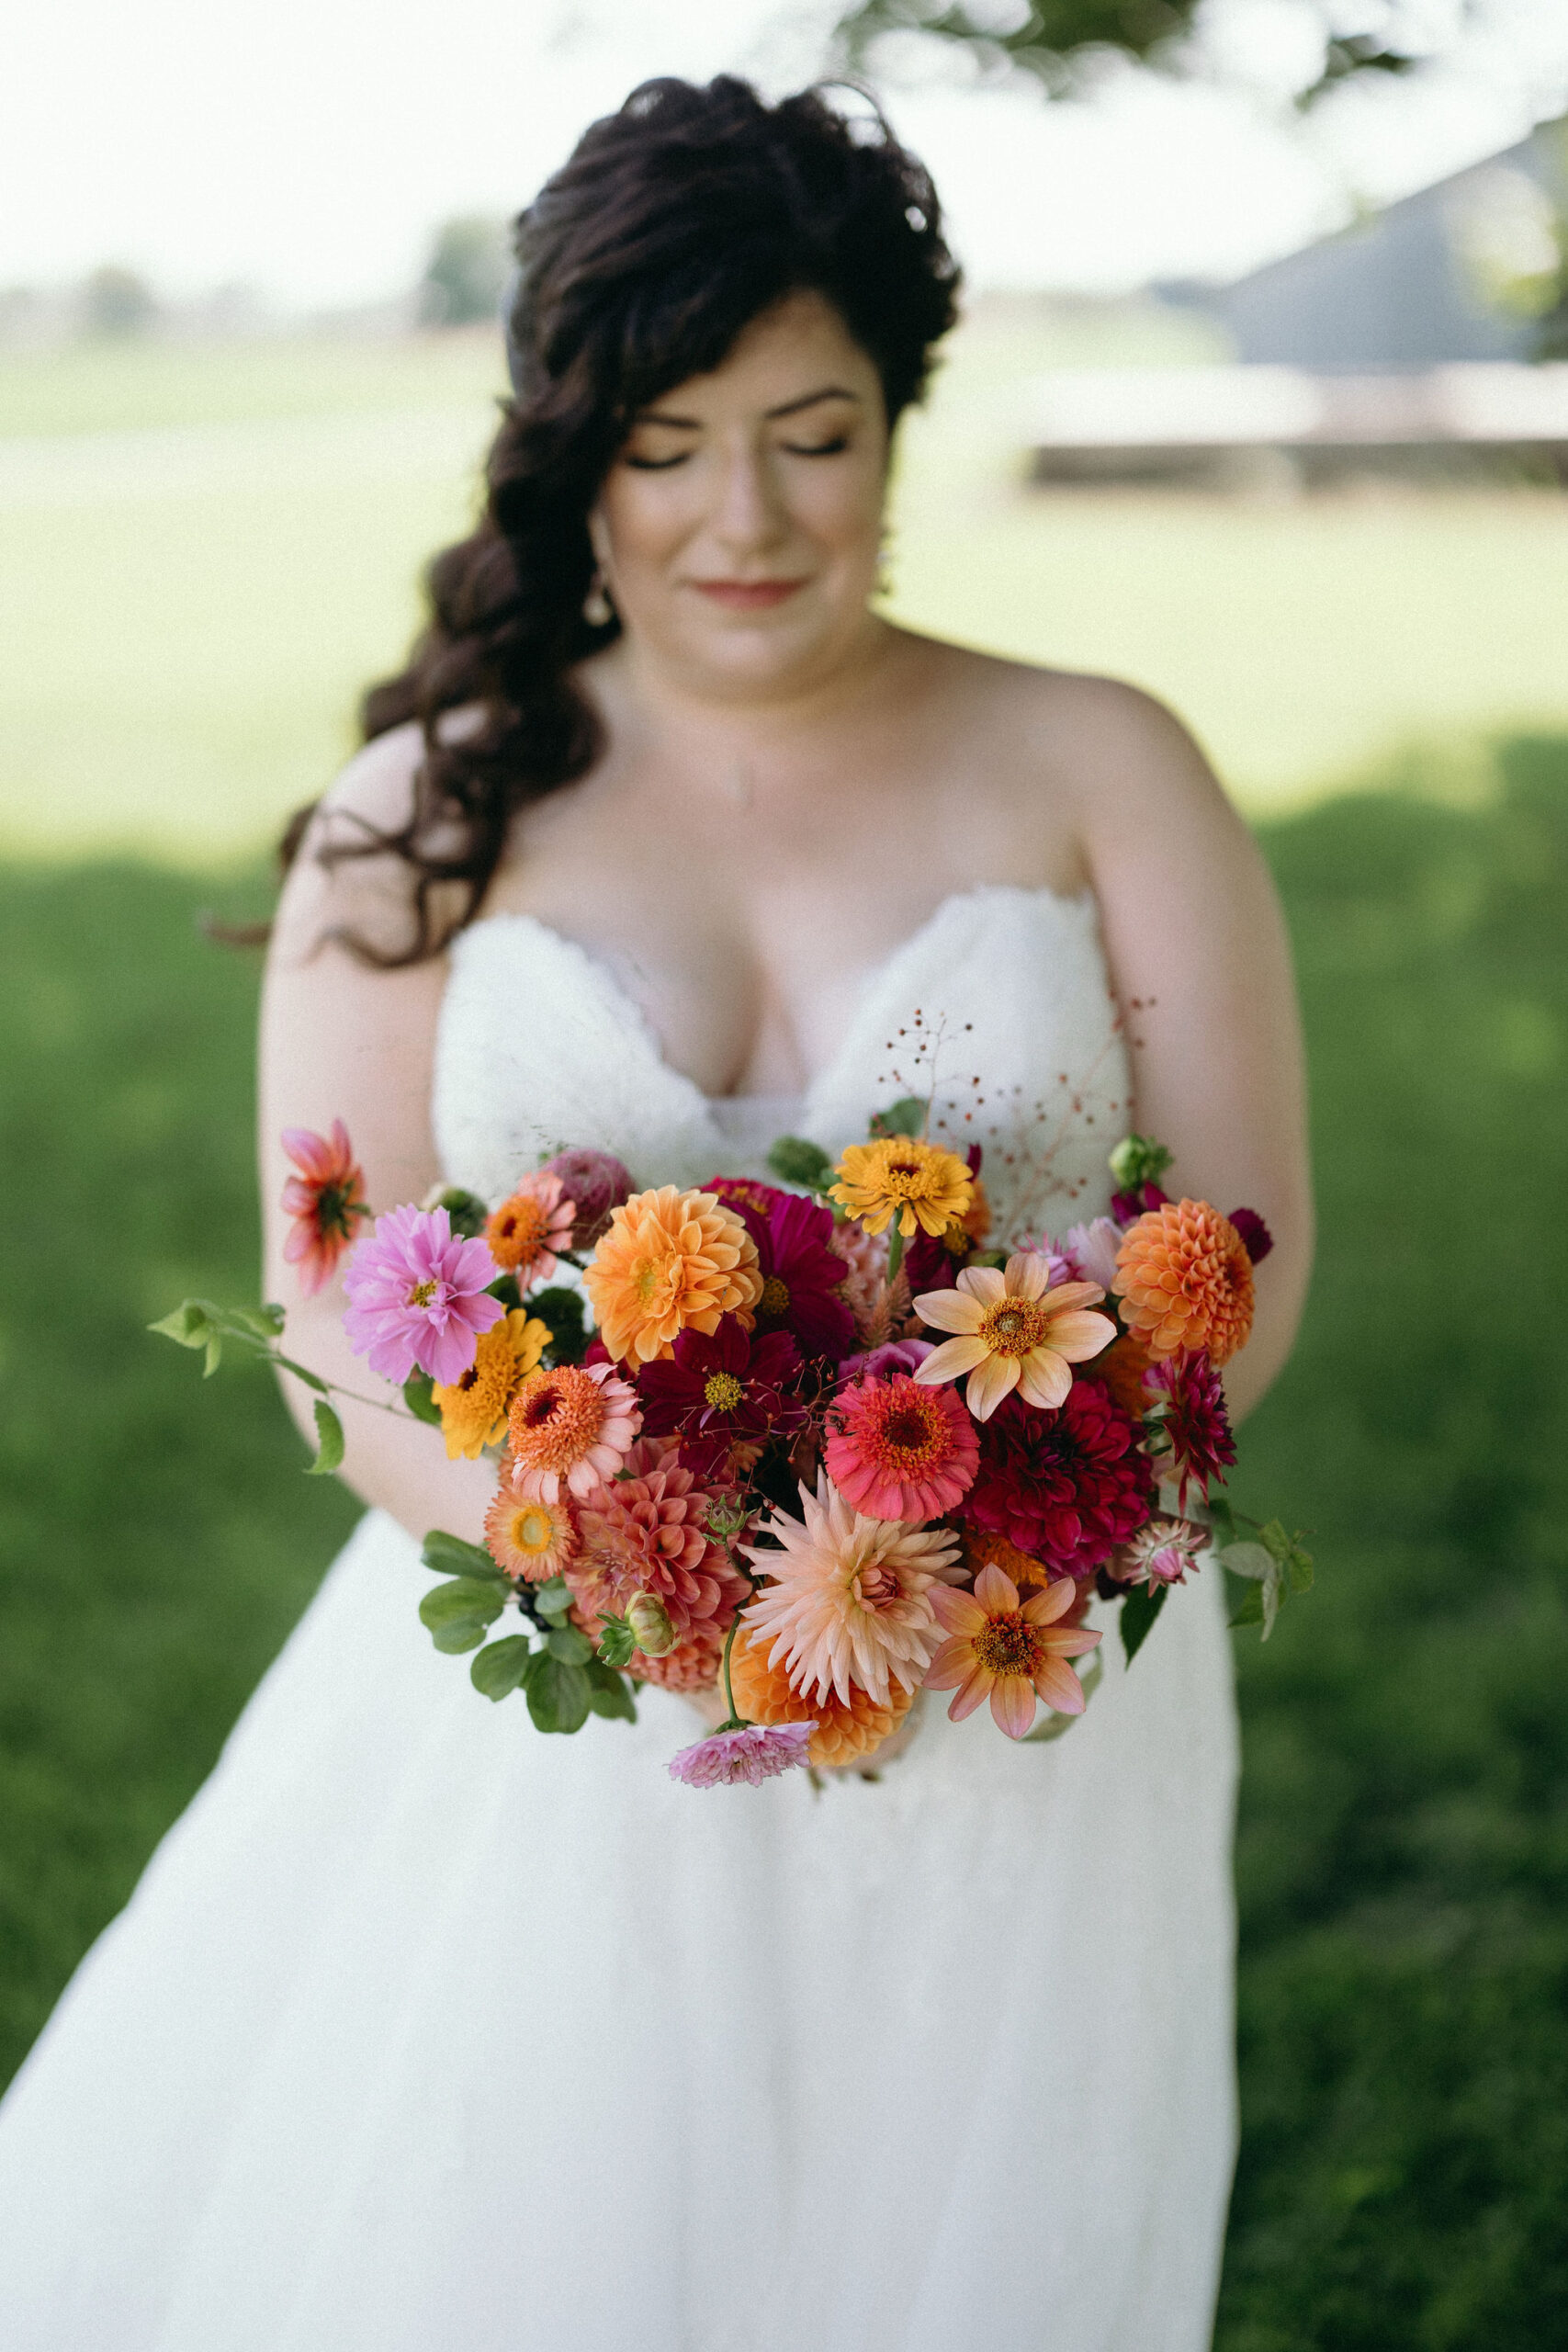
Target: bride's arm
[
  {"x": 1202, "y": 964},
  {"x": 340, "y": 1039}
]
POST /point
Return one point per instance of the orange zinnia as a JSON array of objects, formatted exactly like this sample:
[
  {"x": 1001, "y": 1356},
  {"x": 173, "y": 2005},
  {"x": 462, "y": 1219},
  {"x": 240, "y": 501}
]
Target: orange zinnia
[
  {"x": 846, "y": 1728},
  {"x": 670, "y": 1262},
  {"x": 1009, "y": 1655},
  {"x": 1184, "y": 1279}
]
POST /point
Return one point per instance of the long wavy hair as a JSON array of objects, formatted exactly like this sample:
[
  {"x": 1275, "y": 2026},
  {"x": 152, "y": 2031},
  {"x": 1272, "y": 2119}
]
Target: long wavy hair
[{"x": 676, "y": 222}]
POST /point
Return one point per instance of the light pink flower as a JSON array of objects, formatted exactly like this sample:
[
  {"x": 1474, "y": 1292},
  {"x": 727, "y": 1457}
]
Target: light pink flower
[
  {"x": 1160, "y": 1553},
  {"x": 418, "y": 1295},
  {"x": 754, "y": 1754},
  {"x": 1015, "y": 1329},
  {"x": 1092, "y": 1250}
]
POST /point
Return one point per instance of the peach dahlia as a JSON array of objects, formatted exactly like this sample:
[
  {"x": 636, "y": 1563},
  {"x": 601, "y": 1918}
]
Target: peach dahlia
[
  {"x": 1184, "y": 1278},
  {"x": 670, "y": 1262}
]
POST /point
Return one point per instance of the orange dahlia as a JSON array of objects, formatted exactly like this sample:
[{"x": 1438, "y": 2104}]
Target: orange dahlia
[
  {"x": 846, "y": 1728},
  {"x": 983, "y": 1551},
  {"x": 1121, "y": 1368},
  {"x": 670, "y": 1262},
  {"x": 473, "y": 1409},
  {"x": 532, "y": 1541},
  {"x": 899, "y": 1178},
  {"x": 1184, "y": 1279}
]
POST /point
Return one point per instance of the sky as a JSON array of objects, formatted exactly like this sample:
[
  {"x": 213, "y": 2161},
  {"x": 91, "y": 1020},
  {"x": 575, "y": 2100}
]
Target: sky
[{"x": 306, "y": 148}]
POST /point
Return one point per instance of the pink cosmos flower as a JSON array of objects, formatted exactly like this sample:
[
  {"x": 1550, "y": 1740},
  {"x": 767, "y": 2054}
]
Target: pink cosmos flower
[
  {"x": 1090, "y": 1250},
  {"x": 418, "y": 1295},
  {"x": 754, "y": 1754}
]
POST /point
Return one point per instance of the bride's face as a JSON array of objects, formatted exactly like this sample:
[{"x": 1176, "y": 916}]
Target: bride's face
[{"x": 739, "y": 527}]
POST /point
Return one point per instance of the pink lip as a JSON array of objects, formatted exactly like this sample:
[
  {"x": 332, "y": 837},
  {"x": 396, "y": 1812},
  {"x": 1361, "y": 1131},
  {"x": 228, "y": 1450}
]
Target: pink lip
[{"x": 748, "y": 596}]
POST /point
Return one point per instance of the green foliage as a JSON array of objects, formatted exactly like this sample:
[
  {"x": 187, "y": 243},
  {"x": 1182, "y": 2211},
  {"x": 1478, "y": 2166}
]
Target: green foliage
[
  {"x": 329, "y": 1442},
  {"x": 418, "y": 1396},
  {"x": 1138, "y": 1612},
  {"x": 500, "y": 1667},
  {"x": 457, "y": 1615},
  {"x": 617, "y": 1643},
  {"x": 906, "y": 1117},
  {"x": 795, "y": 1162},
  {"x": 561, "y": 1309},
  {"x": 466, "y": 1213},
  {"x": 1138, "y": 1161}
]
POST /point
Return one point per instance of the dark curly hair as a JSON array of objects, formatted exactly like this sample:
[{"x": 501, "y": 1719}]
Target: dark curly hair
[{"x": 676, "y": 222}]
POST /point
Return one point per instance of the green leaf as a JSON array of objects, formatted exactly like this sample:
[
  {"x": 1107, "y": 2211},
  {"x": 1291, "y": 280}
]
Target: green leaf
[
  {"x": 420, "y": 1401},
  {"x": 907, "y": 1117},
  {"x": 895, "y": 1252},
  {"x": 187, "y": 1326},
  {"x": 609, "y": 1694},
  {"x": 562, "y": 1310},
  {"x": 553, "y": 1599},
  {"x": 1275, "y": 1542},
  {"x": 567, "y": 1643},
  {"x": 263, "y": 1323},
  {"x": 559, "y": 1695},
  {"x": 1139, "y": 1611},
  {"x": 501, "y": 1666},
  {"x": 448, "y": 1555},
  {"x": 329, "y": 1442},
  {"x": 616, "y": 1641},
  {"x": 302, "y": 1372},
  {"x": 795, "y": 1161},
  {"x": 1299, "y": 1569},
  {"x": 507, "y": 1289},
  {"x": 214, "y": 1353},
  {"x": 457, "y": 1615},
  {"x": 1222, "y": 1520},
  {"x": 1261, "y": 1568},
  {"x": 1249, "y": 1608},
  {"x": 1248, "y": 1559},
  {"x": 465, "y": 1210}
]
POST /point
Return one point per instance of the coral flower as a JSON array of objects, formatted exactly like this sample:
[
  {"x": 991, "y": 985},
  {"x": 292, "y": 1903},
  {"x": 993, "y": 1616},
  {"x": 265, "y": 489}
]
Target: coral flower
[
  {"x": 1010, "y": 1654},
  {"x": 850, "y": 1601},
  {"x": 1195, "y": 1421},
  {"x": 527, "y": 1229},
  {"x": 326, "y": 1200},
  {"x": 670, "y": 1262},
  {"x": 898, "y": 1451},
  {"x": 1185, "y": 1280},
  {"x": 1015, "y": 1331},
  {"x": 473, "y": 1408},
  {"x": 532, "y": 1541},
  {"x": 693, "y": 1666},
  {"x": 844, "y": 1729},
  {"x": 572, "y": 1427},
  {"x": 921, "y": 1186},
  {"x": 1067, "y": 1487},
  {"x": 418, "y": 1294},
  {"x": 753, "y": 1754},
  {"x": 647, "y": 1531},
  {"x": 716, "y": 1392}
]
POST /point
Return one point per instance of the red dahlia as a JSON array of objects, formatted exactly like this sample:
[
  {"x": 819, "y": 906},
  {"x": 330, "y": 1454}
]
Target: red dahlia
[
  {"x": 1065, "y": 1486},
  {"x": 1195, "y": 1421}
]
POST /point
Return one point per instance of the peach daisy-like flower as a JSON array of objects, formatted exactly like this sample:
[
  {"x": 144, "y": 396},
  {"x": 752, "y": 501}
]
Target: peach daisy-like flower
[
  {"x": 1014, "y": 1331},
  {"x": 572, "y": 1427},
  {"x": 532, "y": 1541},
  {"x": 473, "y": 1409},
  {"x": 1184, "y": 1279},
  {"x": 528, "y": 1229},
  {"x": 845, "y": 1729},
  {"x": 1010, "y": 1654},
  {"x": 850, "y": 1597},
  {"x": 670, "y": 1262},
  {"x": 899, "y": 1178},
  {"x": 897, "y": 1450}
]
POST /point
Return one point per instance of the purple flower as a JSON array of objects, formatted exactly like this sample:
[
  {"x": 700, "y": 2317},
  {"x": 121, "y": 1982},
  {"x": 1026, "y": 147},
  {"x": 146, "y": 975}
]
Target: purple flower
[
  {"x": 596, "y": 1184},
  {"x": 881, "y": 1364},
  {"x": 417, "y": 1295},
  {"x": 754, "y": 1754},
  {"x": 1091, "y": 1251},
  {"x": 1257, "y": 1239},
  {"x": 1136, "y": 1201}
]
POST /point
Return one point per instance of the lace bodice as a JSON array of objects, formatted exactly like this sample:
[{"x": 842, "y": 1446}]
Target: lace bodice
[{"x": 1003, "y": 995}]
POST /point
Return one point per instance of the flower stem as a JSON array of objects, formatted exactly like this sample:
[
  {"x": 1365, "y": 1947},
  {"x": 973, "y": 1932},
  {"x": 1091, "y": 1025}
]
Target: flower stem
[
  {"x": 895, "y": 1250},
  {"x": 737, "y": 1722}
]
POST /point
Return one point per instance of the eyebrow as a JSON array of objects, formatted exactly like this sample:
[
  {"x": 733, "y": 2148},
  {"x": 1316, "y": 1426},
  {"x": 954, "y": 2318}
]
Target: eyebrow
[{"x": 786, "y": 408}]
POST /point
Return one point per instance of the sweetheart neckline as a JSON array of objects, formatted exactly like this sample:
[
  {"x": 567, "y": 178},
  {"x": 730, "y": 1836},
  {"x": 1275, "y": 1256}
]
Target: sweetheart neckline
[{"x": 641, "y": 1028}]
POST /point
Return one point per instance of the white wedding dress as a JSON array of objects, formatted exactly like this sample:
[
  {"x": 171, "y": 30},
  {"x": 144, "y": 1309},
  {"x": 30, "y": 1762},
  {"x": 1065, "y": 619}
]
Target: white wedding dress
[{"x": 425, "y": 2032}]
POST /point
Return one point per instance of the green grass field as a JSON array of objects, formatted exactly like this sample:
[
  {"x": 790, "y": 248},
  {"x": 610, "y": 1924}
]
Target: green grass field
[{"x": 1404, "y": 1849}]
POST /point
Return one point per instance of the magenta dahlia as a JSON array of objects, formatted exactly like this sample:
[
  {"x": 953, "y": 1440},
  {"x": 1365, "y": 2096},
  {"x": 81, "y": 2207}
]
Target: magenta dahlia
[
  {"x": 1195, "y": 1421},
  {"x": 1066, "y": 1485},
  {"x": 802, "y": 1277}
]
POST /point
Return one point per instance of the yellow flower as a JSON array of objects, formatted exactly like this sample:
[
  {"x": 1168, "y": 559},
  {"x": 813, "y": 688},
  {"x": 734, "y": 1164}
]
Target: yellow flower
[
  {"x": 899, "y": 1177},
  {"x": 670, "y": 1262},
  {"x": 1014, "y": 1331},
  {"x": 473, "y": 1411}
]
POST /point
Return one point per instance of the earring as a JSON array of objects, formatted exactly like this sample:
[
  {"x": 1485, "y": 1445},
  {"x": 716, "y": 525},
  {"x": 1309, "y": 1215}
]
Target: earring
[
  {"x": 883, "y": 583},
  {"x": 597, "y": 609}
]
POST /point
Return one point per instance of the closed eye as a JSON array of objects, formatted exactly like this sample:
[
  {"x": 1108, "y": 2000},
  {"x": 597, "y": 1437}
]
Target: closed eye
[
  {"x": 816, "y": 448},
  {"x": 657, "y": 465}
]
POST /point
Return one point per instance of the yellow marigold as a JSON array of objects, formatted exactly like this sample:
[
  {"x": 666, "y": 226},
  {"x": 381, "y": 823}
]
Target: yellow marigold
[
  {"x": 925, "y": 1188},
  {"x": 473, "y": 1411},
  {"x": 670, "y": 1262},
  {"x": 1184, "y": 1278},
  {"x": 846, "y": 1728}
]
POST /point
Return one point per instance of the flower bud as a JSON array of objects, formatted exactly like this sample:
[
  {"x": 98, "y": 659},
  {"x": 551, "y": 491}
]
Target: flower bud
[{"x": 649, "y": 1622}]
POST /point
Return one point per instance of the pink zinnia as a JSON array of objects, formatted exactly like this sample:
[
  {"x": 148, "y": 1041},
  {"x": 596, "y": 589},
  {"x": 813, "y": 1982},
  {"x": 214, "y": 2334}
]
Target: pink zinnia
[
  {"x": 754, "y": 1753},
  {"x": 572, "y": 1427},
  {"x": 326, "y": 1200},
  {"x": 418, "y": 1295},
  {"x": 898, "y": 1451}
]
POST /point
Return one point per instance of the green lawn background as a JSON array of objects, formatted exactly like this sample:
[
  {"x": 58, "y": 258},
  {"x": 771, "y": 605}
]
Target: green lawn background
[{"x": 1404, "y": 1843}]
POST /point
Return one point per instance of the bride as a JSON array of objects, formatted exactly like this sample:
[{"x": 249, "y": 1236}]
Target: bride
[{"x": 426, "y": 2031}]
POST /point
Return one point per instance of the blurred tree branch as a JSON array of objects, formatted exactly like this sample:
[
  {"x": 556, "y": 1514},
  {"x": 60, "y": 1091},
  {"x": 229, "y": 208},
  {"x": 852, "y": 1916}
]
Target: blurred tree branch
[{"x": 1053, "y": 39}]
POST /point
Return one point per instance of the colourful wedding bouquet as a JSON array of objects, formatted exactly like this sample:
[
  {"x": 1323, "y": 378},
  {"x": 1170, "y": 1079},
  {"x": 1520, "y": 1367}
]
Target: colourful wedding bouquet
[{"x": 811, "y": 1444}]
